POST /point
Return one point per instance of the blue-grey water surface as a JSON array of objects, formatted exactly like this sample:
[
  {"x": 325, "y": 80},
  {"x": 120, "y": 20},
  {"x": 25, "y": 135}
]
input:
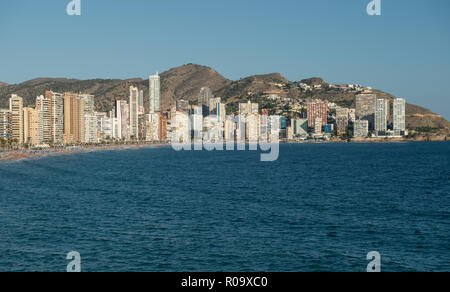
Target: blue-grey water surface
[{"x": 320, "y": 207}]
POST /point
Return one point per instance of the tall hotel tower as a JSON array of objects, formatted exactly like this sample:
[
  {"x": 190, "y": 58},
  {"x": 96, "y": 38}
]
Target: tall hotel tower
[
  {"x": 155, "y": 93},
  {"x": 381, "y": 114},
  {"x": 134, "y": 112},
  {"x": 16, "y": 109},
  {"x": 399, "y": 115}
]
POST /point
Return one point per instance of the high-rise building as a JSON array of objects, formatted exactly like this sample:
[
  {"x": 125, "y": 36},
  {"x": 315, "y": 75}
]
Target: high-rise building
[
  {"x": 56, "y": 116},
  {"x": 181, "y": 132},
  {"x": 134, "y": 112},
  {"x": 365, "y": 108},
  {"x": 155, "y": 93},
  {"x": 74, "y": 120},
  {"x": 123, "y": 118},
  {"x": 230, "y": 129},
  {"x": 5, "y": 123},
  {"x": 196, "y": 117},
  {"x": 203, "y": 100},
  {"x": 217, "y": 108},
  {"x": 163, "y": 118},
  {"x": 317, "y": 109},
  {"x": 361, "y": 128},
  {"x": 342, "y": 115},
  {"x": 352, "y": 115},
  {"x": 142, "y": 127},
  {"x": 16, "y": 109},
  {"x": 31, "y": 131},
  {"x": 153, "y": 128},
  {"x": 89, "y": 103},
  {"x": 252, "y": 128},
  {"x": 300, "y": 127},
  {"x": 381, "y": 111},
  {"x": 103, "y": 126},
  {"x": 399, "y": 115},
  {"x": 141, "y": 102},
  {"x": 90, "y": 119},
  {"x": 43, "y": 105},
  {"x": 91, "y": 127}
]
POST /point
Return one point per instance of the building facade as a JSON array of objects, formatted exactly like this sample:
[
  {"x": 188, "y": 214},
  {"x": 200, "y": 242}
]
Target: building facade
[
  {"x": 317, "y": 109},
  {"x": 342, "y": 115},
  {"x": 365, "y": 108},
  {"x": 399, "y": 115},
  {"x": 74, "y": 121},
  {"x": 361, "y": 128},
  {"x": 16, "y": 110},
  {"x": 134, "y": 112},
  {"x": 155, "y": 93},
  {"x": 381, "y": 112}
]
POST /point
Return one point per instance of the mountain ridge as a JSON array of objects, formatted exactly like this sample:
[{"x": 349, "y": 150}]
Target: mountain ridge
[{"x": 185, "y": 82}]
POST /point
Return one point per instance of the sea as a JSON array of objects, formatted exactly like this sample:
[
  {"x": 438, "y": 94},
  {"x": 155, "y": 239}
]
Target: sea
[{"x": 319, "y": 207}]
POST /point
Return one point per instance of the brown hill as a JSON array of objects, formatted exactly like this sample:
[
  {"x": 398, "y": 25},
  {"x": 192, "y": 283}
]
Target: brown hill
[
  {"x": 186, "y": 81},
  {"x": 2, "y": 84}
]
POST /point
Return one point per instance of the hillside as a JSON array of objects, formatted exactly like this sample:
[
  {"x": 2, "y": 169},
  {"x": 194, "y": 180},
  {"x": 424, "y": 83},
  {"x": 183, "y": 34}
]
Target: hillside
[
  {"x": 2, "y": 84},
  {"x": 186, "y": 81}
]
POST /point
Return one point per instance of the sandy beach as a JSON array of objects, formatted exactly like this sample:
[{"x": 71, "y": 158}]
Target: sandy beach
[{"x": 12, "y": 155}]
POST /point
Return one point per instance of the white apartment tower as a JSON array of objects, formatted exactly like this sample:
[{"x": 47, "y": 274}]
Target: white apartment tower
[
  {"x": 134, "y": 112},
  {"x": 381, "y": 110},
  {"x": 155, "y": 93},
  {"x": 399, "y": 114}
]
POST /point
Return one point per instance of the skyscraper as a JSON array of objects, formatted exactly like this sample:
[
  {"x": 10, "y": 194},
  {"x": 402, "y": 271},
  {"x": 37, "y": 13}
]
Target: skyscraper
[
  {"x": 342, "y": 120},
  {"x": 317, "y": 109},
  {"x": 163, "y": 117},
  {"x": 123, "y": 117},
  {"x": 141, "y": 102},
  {"x": 365, "y": 108},
  {"x": 16, "y": 109},
  {"x": 43, "y": 106},
  {"x": 56, "y": 116},
  {"x": 381, "y": 109},
  {"x": 31, "y": 131},
  {"x": 399, "y": 115},
  {"x": 155, "y": 93},
  {"x": 74, "y": 121},
  {"x": 203, "y": 100},
  {"x": 134, "y": 112}
]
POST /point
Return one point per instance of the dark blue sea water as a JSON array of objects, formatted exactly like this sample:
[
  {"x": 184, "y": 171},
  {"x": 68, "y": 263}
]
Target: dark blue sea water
[{"x": 318, "y": 208}]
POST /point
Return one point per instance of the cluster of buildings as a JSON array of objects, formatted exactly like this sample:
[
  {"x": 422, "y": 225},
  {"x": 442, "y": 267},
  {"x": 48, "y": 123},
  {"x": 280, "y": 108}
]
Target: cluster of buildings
[
  {"x": 70, "y": 118},
  {"x": 369, "y": 119}
]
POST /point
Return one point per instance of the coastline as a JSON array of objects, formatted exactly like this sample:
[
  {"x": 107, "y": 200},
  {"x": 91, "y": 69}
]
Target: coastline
[{"x": 23, "y": 154}]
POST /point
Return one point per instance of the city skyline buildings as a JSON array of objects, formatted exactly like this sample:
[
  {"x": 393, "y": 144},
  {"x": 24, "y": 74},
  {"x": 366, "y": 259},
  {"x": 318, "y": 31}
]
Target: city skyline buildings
[
  {"x": 155, "y": 93},
  {"x": 381, "y": 115},
  {"x": 365, "y": 108},
  {"x": 134, "y": 111},
  {"x": 16, "y": 109},
  {"x": 82, "y": 124},
  {"x": 399, "y": 114}
]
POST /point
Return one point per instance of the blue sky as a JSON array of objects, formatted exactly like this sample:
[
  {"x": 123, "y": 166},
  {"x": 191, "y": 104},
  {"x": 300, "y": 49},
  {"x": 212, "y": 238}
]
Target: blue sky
[{"x": 404, "y": 52}]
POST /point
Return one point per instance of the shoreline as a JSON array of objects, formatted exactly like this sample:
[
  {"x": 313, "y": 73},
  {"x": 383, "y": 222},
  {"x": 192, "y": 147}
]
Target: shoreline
[{"x": 23, "y": 154}]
